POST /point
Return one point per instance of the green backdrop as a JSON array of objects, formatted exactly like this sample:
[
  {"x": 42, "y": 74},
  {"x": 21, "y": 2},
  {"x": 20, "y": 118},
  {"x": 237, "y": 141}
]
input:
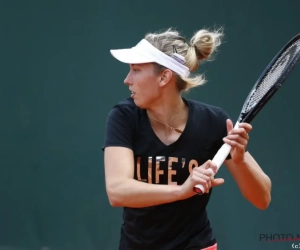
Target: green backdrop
[{"x": 58, "y": 83}]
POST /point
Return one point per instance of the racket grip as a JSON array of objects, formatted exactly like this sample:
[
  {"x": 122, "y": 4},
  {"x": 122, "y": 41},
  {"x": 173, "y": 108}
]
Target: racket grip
[
  {"x": 218, "y": 159},
  {"x": 221, "y": 155}
]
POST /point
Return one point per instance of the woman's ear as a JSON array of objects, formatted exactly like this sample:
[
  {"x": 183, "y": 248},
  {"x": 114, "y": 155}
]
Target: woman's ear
[{"x": 165, "y": 77}]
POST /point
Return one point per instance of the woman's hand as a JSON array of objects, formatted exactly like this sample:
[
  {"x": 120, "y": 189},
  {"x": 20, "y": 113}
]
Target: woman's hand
[
  {"x": 238, "y": 139},
  {"x": 200, "y": 175}
]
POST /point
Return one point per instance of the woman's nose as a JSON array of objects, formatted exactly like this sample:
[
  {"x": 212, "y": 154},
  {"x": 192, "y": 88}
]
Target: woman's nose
[{"x": 127, "y": 80}]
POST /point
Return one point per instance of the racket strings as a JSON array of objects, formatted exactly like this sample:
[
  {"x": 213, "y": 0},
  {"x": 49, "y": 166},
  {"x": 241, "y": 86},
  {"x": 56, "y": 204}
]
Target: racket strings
[{"x": 272, "y": 76}]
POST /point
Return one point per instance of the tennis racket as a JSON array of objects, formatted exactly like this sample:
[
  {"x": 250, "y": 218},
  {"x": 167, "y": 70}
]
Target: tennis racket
[{"x": 265, "y": 87}]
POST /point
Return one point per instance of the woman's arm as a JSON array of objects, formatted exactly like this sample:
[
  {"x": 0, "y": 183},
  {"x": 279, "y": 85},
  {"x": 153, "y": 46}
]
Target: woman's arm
[
  {"x": 124, "y": 191},
  {"x": 253, "y": 183}
]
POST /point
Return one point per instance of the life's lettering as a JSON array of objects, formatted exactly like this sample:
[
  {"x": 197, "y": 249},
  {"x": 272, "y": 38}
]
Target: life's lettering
[{"x": 162, "y": 167}]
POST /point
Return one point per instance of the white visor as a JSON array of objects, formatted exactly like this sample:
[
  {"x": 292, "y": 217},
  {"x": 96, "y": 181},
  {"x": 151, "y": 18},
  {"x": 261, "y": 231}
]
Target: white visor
[{"x": 145, "y": 52}]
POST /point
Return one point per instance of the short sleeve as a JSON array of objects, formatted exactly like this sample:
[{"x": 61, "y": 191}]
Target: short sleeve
[{"x": 120, "y": 128}]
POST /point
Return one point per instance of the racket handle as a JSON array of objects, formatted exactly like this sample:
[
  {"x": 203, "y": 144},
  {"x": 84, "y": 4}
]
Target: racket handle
[{"x": 218, "y": 159}]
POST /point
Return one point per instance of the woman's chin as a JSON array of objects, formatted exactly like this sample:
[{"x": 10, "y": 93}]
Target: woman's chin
[{"x": 139, "y": 104}]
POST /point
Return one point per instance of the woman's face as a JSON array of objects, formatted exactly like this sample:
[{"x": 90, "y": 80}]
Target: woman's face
[{"x": 143, "y": 83}]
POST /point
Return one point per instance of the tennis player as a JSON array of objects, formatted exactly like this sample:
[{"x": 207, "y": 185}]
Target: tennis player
[{"x": 158, "y": 146}]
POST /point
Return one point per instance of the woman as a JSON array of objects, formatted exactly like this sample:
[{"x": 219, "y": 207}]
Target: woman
[{"x": 159, "y": 144}]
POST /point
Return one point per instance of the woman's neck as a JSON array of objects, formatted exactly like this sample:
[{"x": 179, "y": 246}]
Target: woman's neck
[{"x": 168, "y": 110}]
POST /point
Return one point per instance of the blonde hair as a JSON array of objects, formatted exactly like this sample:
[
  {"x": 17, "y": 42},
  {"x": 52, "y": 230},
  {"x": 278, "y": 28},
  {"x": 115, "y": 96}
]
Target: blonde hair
[{"x": 200, "y": 48}]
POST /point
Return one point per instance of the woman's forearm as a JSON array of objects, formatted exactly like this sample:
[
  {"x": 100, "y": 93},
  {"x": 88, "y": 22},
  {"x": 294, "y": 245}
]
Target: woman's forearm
[
  {"x": 133, "y": 193},
  {"x": 253, "y": 183}
]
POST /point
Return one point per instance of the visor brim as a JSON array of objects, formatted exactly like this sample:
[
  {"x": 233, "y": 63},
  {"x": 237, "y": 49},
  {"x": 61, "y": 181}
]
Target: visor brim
[{"x": 129, "y": 56}]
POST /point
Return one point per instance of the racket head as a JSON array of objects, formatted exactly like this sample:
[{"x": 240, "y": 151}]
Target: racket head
[{"x": 271, "y": 79}]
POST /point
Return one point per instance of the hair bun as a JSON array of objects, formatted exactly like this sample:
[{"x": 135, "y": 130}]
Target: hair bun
[{"x": 197, "y": 52}]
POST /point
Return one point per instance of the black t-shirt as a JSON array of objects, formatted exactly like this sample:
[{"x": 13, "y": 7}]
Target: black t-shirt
[{"x": 179, "y": 225}]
